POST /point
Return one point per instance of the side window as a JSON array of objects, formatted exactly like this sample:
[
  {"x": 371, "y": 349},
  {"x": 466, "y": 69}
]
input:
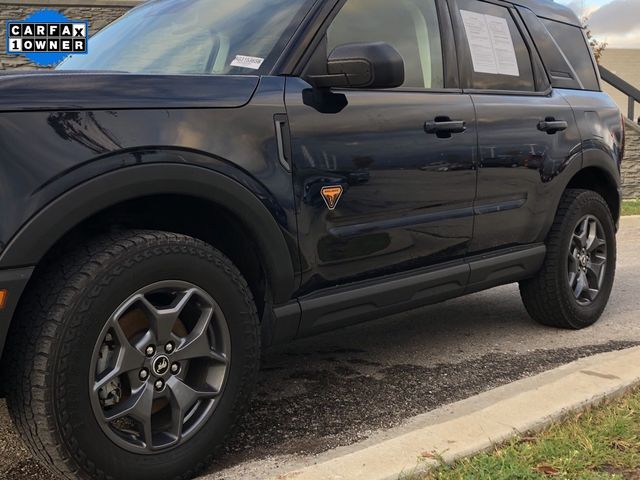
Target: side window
[
  {"x": 571, "y": 40},
  {"x": 560, "y": 73},
  {"x": 410, "y": 26},
  {"x": 498, "y": 56}
]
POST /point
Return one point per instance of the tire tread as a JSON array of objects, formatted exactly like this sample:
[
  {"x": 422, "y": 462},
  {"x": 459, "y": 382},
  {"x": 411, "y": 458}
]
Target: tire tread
[
  {"x": 43, "y": 316},
  {"x": 542, "y": 295}
]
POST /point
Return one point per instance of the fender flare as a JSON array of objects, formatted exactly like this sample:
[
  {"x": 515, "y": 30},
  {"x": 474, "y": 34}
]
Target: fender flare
[
  {"x": 591, "y": 158},
  {"x": 601, "y": 160},
  {"x": 50, "y": 224}
]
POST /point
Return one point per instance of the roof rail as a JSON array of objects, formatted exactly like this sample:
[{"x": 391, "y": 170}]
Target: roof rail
[{"x": 632, "y": 93}]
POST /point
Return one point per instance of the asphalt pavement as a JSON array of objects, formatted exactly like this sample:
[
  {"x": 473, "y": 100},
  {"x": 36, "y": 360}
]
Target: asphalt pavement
[{"x": 338, "y": 388}]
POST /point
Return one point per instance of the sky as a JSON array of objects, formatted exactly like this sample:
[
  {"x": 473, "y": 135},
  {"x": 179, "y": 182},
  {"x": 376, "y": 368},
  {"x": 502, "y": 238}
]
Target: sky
[{"x": 614, "y": 21}]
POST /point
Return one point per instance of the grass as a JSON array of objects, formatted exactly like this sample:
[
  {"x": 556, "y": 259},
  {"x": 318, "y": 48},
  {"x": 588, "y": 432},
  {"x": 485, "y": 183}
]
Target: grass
[
  {"x": 631, "y": 207},
  {"x": 600, "y": 443}
]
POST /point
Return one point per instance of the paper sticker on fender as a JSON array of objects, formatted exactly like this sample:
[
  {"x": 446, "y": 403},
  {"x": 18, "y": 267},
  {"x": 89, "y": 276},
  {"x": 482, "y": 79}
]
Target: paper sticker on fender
[{"x": 332, "y": 196}]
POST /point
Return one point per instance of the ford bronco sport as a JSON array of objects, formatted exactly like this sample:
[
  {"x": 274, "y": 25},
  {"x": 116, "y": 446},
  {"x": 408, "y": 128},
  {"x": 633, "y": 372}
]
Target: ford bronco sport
[{"x": 217, "y": 176}]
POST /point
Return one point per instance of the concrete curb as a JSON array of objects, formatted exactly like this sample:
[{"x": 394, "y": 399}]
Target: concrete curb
[{"x": 478, "y": 423}]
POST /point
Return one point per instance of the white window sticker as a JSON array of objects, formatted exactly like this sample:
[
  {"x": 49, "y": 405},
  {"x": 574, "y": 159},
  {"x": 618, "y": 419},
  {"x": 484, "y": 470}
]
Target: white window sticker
[
  {"x": 254, "y": 63},
  {"x": 503, "y": 47},
  {"x": 491, "y": 44}
]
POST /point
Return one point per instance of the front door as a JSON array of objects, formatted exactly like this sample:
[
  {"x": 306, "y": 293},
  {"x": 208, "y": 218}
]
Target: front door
[{"x": 378, "y": 191}]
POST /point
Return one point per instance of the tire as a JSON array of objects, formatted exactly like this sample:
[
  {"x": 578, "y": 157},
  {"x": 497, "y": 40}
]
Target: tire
[
  {"x": 550, "y": 296},
  {"x": 59, "y": 327}
]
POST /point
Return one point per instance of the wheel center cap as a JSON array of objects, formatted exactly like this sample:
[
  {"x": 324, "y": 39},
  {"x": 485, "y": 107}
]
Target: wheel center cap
[{"x": 161, "y": 365}]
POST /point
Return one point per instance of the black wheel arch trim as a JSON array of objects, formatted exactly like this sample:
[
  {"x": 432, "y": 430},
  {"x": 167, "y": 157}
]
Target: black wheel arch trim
[
  {"x": 52, "y": 222},
  {"x": 13, "y": 281},
  {"x": 591, "y": 158},
  {"x": 603, "y": 161}
]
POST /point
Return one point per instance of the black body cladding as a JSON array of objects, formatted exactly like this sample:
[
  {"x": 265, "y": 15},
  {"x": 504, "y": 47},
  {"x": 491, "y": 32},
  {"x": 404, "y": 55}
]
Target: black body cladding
[{"x": 447, "y": 190}]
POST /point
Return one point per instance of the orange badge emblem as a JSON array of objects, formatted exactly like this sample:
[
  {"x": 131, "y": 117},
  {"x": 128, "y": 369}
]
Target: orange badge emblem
[{"x": 332, "y": 196}]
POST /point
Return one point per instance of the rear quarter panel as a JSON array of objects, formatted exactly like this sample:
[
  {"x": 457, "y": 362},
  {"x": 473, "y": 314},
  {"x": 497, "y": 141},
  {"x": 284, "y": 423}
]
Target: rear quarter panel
[{"x": 600, "y": 124}]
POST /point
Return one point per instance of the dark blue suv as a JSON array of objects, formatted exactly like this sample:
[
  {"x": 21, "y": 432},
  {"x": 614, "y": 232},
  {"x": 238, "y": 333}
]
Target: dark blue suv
[{"x": 217, "y": 176}]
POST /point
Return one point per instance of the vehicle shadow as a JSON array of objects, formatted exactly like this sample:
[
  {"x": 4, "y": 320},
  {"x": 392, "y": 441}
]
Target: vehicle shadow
[{"x": 336, "y": 389}]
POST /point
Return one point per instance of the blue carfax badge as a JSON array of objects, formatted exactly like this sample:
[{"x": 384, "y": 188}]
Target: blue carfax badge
[{"x": 47, "y": 37}]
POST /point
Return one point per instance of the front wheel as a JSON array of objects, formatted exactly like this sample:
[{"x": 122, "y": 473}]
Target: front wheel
[
  {"x": 574, "y": 285},
  {"x": 133, "y": 357}
]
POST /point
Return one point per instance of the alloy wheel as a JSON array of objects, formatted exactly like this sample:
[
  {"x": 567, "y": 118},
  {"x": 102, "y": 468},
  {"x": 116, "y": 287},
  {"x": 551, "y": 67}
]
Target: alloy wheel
[
  {"x": 587, "y": 260},
  {"x": 159, "y": 367}
]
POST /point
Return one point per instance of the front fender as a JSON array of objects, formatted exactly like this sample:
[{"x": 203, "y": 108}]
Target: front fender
[{"x": 52, "y": 222}]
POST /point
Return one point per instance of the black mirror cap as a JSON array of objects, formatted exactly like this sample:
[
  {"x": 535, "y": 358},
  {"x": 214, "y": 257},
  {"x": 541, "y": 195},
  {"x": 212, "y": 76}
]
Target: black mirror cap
[{"x": 363, "y": 65}]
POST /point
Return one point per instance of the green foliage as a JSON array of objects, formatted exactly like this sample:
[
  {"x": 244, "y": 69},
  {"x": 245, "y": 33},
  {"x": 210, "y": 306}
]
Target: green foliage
[
  {"x": 601, "y": 443},
  {"x": 631, "y": 207}
]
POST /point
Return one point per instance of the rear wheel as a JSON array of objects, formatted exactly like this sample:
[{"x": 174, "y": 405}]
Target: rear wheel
[
  {"x": 133, "y": 358},
  {"x": 574, "y": 285}
]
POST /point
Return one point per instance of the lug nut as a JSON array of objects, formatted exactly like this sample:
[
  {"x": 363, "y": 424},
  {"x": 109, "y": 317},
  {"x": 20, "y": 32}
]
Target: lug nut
[
  {"x": 159, "y": 384},
  {"x": 150, "y": 351},
  {"x": 144, "y": 374},
  {"x": 175, "y": 368},
  {"x": 169, "y": 347}
]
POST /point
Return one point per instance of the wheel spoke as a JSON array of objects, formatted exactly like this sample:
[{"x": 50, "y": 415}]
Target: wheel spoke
[
  {"x": 138, "y": 406},
  {"x": 183, "y": 398},
  {"x": 149, "y": 338},
  {"x": 129, "y": 358},
  {"x": 581, "y": 284},
  {"x": 573, "y": 269},
  {"x": 163, "y": 320},
  {"x": 595, "y": 244},
  {"x": 591, "y": 233},
  {"x": 581, "y": 237},
  {"x": 591, "y": 293},
  {"x": 129, "y": 354},
  {"x": 596, "y": 268},
  {"x": 573, "y": 261},
  {"x": 197, "y": 343}
]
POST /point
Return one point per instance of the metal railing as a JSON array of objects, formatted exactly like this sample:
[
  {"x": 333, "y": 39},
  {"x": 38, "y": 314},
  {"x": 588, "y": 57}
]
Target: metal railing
[{"x": 632, "y": 93}]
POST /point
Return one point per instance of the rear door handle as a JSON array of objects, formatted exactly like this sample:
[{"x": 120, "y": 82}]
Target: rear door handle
[
  {"x": 443, "y": 127},
  {"x": 552, "y": 126}
]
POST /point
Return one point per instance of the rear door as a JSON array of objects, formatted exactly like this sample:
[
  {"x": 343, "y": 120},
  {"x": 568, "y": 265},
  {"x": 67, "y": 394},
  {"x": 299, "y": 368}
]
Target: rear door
[
  {"x": 527, "y": 134},
  {"x": 398, "y": 196}
]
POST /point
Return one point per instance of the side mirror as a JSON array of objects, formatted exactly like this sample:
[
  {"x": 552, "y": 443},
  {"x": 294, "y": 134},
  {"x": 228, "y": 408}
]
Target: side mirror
[{"x": 362, "y": 65}]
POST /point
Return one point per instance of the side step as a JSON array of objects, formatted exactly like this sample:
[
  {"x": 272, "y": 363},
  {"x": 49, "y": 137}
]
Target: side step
[{"x": 345, "y": 305}]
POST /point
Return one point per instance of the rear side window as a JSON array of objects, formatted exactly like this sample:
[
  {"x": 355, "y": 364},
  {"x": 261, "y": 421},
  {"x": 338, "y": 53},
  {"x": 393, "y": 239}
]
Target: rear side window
[
  {"x": 495, "y": 55},
  {"x": 576, "y": 51},
  {"x": 410, "y": 26}
]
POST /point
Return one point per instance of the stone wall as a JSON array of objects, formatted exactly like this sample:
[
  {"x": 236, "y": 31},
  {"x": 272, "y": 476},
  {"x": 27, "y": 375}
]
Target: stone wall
[
  {"x": 99, "y": 14},
  {"x": 631, "y": 164}
]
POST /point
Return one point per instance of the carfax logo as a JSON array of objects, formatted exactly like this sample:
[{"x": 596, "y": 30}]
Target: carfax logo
[{"x": 47, "y": 37}]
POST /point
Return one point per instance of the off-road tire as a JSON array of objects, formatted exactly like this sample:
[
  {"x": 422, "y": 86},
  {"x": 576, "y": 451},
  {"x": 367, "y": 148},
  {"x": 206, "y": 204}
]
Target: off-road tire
[
  {"x": 54, "y": 332},
  {"x": 547, "y": 296}
]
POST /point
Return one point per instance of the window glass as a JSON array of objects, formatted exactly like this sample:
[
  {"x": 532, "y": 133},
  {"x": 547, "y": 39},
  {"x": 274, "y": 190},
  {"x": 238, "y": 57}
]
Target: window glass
[
  {"x": 224, "y": 37},
  {"x": 498, "y": 55},
  {"x": 571, "y": 40},
  {"x": 410, "y": 26},
  {"x": 560, "y": 73}
]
